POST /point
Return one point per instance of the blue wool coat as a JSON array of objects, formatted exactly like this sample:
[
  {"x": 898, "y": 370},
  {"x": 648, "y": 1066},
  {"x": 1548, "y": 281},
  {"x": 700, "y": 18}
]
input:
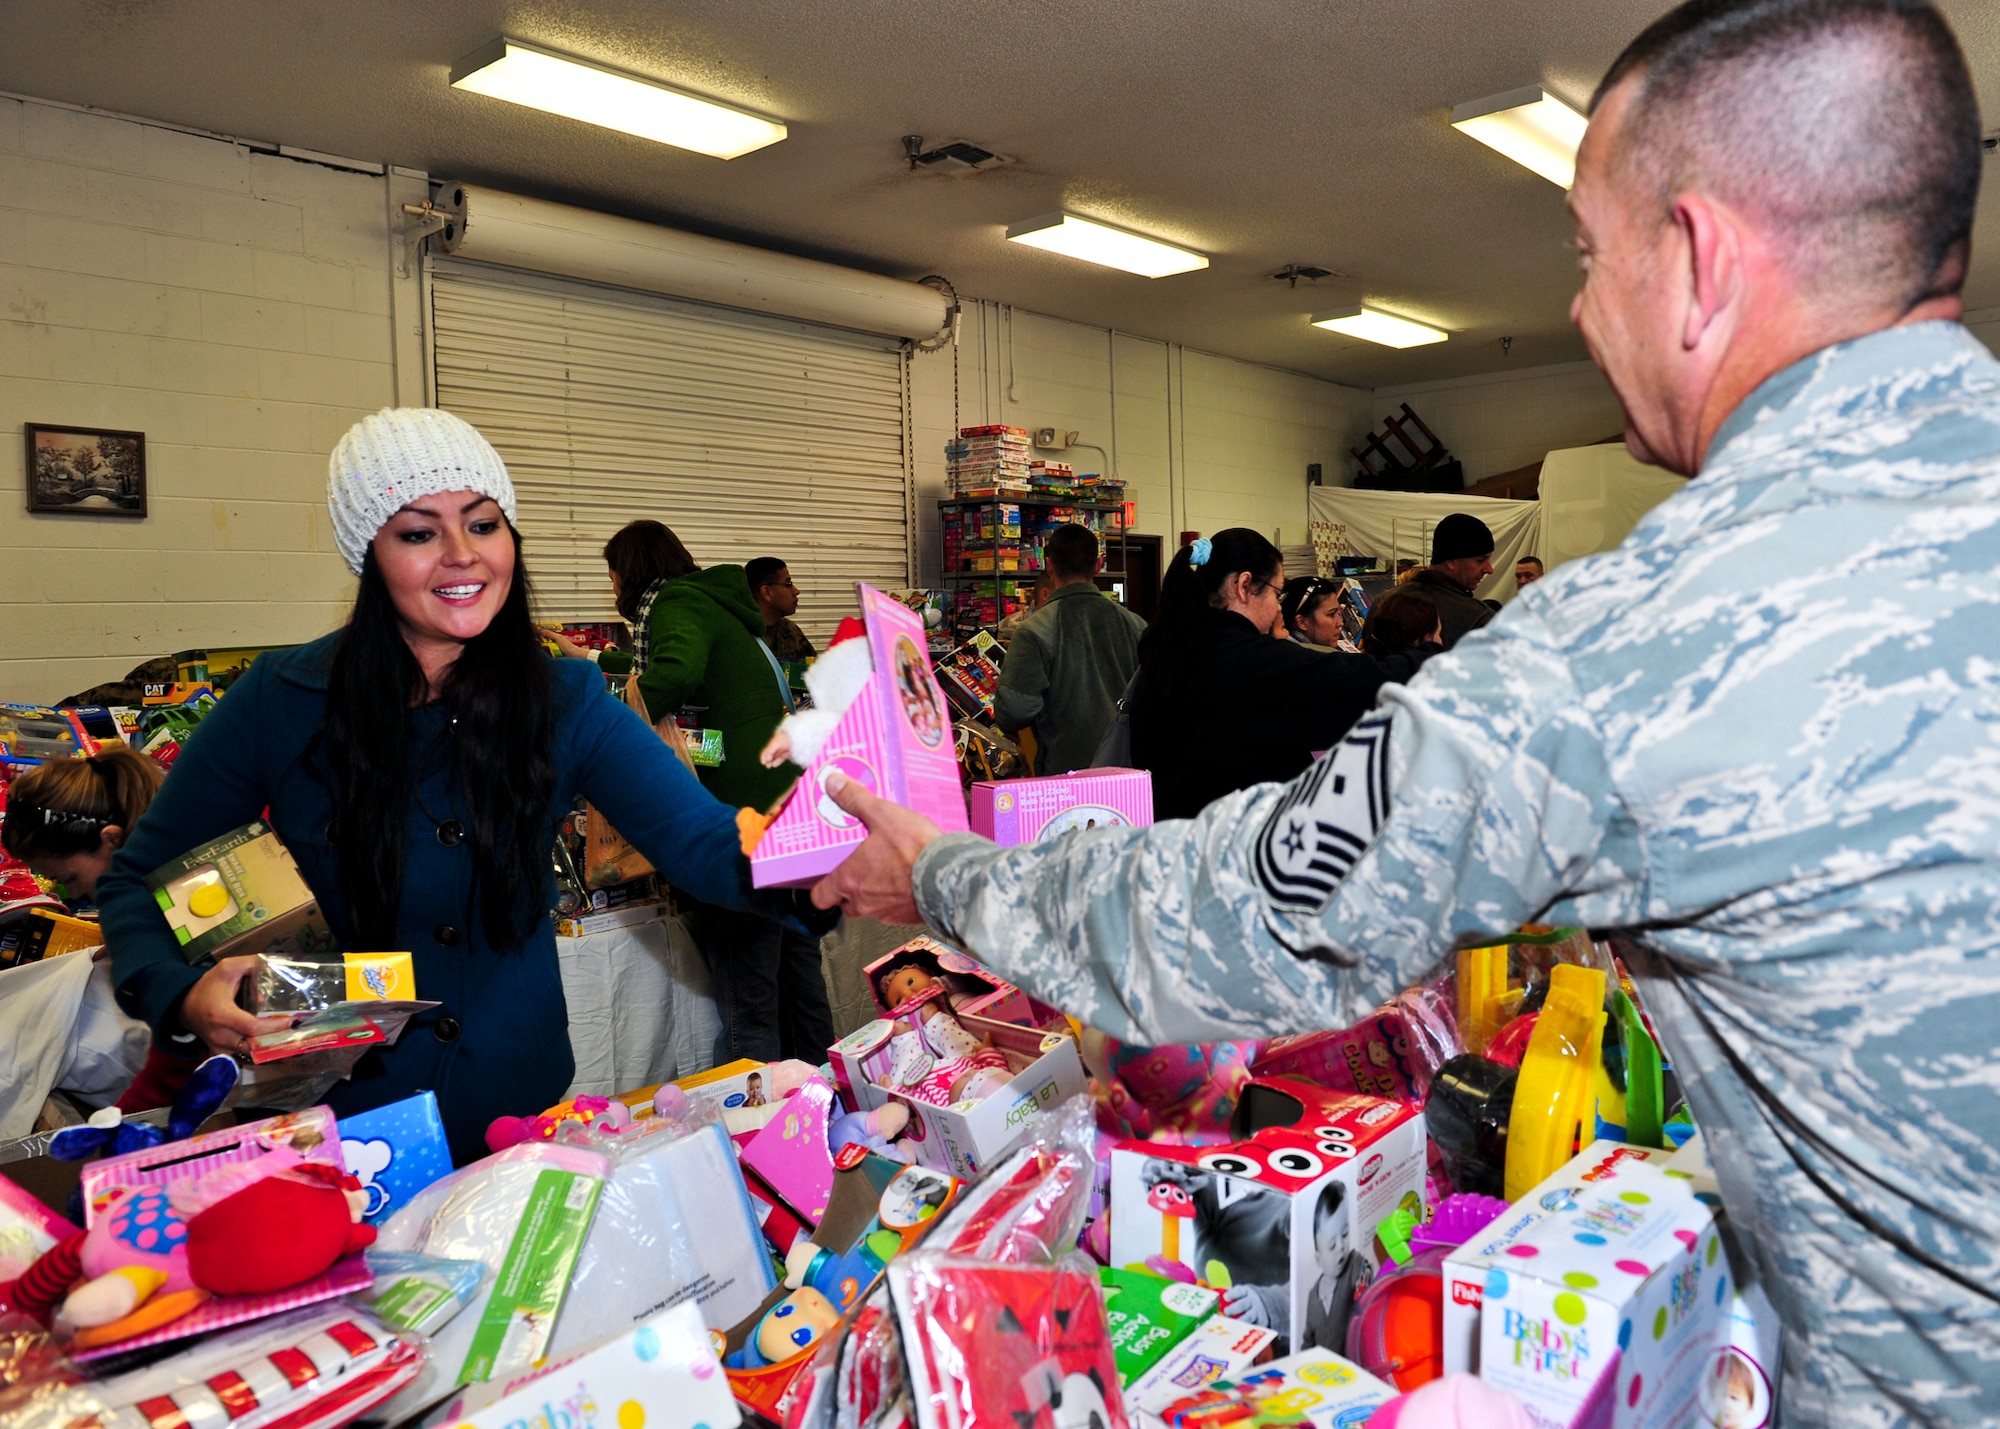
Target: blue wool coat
[{"x": 499, "y": 1041}]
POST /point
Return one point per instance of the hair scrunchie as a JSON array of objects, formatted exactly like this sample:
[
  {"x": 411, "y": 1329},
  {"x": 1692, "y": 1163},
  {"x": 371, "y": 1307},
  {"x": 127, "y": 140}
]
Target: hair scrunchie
[{"x": 1199, "y": 552}]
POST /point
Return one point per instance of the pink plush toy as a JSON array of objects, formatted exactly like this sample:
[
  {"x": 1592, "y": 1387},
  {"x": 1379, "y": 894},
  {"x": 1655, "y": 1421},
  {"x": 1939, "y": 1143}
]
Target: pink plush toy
[
  {"x": 1458, "y": 1401},
  {"x": 1182, "y": 1095}
]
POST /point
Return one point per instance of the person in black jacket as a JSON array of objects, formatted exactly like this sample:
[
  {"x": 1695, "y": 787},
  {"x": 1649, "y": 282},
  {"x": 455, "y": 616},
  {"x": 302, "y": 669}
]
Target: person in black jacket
[{"x": 1219, "y": 704}]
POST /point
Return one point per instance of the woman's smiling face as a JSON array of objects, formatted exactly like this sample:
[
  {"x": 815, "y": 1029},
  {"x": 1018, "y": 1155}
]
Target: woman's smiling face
[{"x": 448, "y": 561}]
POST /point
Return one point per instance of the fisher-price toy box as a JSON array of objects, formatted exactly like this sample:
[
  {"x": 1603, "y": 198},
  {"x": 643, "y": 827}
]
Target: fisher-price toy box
[
  {"x": 1622, "y": 1280},
  {"x": 975, "y": 990},
  {"x": 238, "y": 894},
  {"x": 966, "y": 1137},
  {"x": 1287, "y": 1211},
  {"x": 660, "y": 1374},
  {"x": 895, "y": 740},
  {"x": 1025, "y": 811}
]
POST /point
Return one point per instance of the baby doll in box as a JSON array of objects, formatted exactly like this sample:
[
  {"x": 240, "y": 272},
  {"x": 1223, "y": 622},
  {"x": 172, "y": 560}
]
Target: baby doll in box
[{"x": 934, "y": 1058}]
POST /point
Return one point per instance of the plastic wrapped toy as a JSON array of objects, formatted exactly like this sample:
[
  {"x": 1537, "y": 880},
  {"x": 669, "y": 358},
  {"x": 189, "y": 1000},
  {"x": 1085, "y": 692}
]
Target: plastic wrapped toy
[{"x": 1182, "y": 1095}]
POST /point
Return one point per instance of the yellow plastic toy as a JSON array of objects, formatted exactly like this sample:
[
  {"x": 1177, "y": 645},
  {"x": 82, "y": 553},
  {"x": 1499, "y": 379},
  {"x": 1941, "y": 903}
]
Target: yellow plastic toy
[
  {"x": 1553, "y": 1094},
  {"x": 1482, "y": 994}
]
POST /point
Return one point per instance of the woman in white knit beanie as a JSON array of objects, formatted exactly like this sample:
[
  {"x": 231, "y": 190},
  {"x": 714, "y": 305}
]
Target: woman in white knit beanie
[{"x": 416, "y": 763}]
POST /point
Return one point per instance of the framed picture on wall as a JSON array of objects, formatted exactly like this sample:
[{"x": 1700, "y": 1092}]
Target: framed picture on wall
[{"x": 86, "y": 471}]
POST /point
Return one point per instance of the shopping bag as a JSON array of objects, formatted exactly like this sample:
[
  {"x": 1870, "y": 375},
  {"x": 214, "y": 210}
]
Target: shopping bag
[{"x": 609, "y": 856}]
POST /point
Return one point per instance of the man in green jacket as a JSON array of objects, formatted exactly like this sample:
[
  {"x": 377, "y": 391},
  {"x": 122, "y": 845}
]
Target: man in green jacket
[{"x": 698, "y": 642}]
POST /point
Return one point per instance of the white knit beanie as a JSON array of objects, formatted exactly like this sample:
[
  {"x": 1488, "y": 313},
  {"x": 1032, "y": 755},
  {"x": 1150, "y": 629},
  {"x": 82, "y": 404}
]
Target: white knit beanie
[{"x": 400, "y": 455}]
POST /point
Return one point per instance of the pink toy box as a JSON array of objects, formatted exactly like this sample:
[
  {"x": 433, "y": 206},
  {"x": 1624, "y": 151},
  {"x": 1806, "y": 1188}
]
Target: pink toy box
[
  {"x": 1025, "y": 811},
  {"x": 312, "y": 1133},
  {"x": 1283, "y": 1218},
  {"x": 1392, "y": 1052},
  {"x": 973, "y": 989},
  {"x": 790, "y": 1154},
  {"x": 896, "y": 739},
  {"x": 964, "y": 1138}
]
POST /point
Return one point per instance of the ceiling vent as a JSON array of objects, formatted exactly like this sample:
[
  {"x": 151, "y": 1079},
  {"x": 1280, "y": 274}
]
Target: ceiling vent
[
  {"x": 957, "y": 157},
  {"x": 1312, "y": 273}
]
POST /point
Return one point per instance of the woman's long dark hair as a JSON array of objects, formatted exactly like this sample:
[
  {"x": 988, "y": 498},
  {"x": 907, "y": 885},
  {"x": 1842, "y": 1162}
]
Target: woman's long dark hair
[
  {"x": 1187, "y": 590},
  {"x": 643, "y": 552},
  {"x": 499, "y": 700}
]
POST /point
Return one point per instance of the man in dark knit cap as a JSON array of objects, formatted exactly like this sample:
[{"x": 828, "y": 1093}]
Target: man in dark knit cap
[{"x": 1461, "y": 557}]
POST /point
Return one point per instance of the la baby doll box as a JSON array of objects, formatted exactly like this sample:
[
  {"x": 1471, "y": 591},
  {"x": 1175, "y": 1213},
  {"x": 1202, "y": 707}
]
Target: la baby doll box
[
  {"x": 1025, "y": 811},
  {"x": 966, "y": 1137},
  {"x": 241, "y": 893},
  {"x": 974, "y": 990},
  {"x": 1285, "y": 1215},
  {"x": 1624, "y": 1278},
  {"x": 895, "y": 740}
]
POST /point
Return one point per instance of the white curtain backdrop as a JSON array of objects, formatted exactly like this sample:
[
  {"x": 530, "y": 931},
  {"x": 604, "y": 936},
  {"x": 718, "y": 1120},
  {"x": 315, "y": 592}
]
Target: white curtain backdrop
[
  {"x": 1397, "y": 525},
  {"x": 1592, "y": 497}
]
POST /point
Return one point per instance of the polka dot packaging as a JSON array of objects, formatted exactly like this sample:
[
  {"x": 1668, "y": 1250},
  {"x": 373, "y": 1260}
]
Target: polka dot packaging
[{"x": 1611, "y": 1269}]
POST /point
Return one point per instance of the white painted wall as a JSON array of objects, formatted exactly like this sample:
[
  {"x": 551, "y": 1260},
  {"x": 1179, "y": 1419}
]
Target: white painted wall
[
  {"x": 1203, "y": 442},
  {"x": 1499, "y": 421},
  {"x": 233, "y": 305}
]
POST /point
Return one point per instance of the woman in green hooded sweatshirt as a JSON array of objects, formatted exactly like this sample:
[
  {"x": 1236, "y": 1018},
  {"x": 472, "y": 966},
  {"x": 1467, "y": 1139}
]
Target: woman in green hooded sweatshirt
[{"x": 699, "y": 641}]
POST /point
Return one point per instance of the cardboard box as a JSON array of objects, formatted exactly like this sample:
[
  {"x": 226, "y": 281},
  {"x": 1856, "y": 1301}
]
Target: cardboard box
[
  {"x": 1289, "y": 1208},
  {"x": 896, "y": 739},
  {"x": 1023, "y": 811},
  {"x": 963, "y": 1139},
  {"x": 1314, "y": 1387},
  {"x": 1744, "y": 1391},
  {"x": 241, "y": 894},
  {"x": 395, "y": 1151},
  {"x": 1220, "y": 1348},
  {"x": 46, "y": 933},
  {"x": 661, "y": 1374},
  {"x": 1148, "y": 1315},
  {"x": 1623, "y": 1276}
]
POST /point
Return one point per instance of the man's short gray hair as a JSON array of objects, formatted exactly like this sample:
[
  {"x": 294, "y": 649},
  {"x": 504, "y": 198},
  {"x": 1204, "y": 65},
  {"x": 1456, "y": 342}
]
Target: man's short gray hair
[{"x": 1851, "y": 126}]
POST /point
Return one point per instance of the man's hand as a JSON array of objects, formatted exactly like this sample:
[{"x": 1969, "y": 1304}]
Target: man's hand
[
  {"x": 210, "y": 1012},
  {"x": 875, "y": 880}
]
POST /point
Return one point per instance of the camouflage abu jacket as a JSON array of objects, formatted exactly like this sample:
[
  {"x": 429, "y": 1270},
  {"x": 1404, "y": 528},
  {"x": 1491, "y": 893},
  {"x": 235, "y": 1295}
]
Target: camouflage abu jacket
[{"x": 1761, "y": 739}]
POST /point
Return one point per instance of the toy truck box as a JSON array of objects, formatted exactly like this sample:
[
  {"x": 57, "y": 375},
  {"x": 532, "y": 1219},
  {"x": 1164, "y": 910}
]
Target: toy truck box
[
  {"x": 1285, "y": 1214},
  {"x": 895, "y": 740},
  {"x": 1623, "y": 1280}
]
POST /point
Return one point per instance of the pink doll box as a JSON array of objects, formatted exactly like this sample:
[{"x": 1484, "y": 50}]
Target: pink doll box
[
  {"x": 1024, "y": 811},
  {"x": 964, "y": 1139},
  {"x": 975, "y": 990},
  {"x": 896, "y": 739},
  {"x": 790, "y": 1154},
  {"x": 1305, "y": 1165}
]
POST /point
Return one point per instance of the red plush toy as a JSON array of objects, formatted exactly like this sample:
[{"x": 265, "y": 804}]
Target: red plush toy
[{"x": 275, "y": 1233}]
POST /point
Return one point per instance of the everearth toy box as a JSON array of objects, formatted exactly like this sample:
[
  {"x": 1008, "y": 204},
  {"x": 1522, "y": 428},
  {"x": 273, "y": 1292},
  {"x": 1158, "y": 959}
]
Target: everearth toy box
[
  {"x": 895, "y": 740},
  {"x": 660, "y": 1374},
  {"x": 1624, "y": 1277},
  {"x": 964, "y": 1138},
  {"x": 1023, "y": 811},
  {"x": 240, "y": 894},
  {"x": 1289, "y": 1207}
]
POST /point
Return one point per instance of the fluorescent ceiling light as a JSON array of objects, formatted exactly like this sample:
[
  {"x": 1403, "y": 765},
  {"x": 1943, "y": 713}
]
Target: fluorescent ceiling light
[
  {"x": 1096, "y": 242},
  {"x": 540, "y": 79},
  {"x": 1530, "y": 126},
  {"x": 1374, "y": 325}
]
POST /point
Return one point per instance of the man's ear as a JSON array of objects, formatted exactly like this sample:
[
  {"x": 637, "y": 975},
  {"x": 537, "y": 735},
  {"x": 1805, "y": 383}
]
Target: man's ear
[{"x": 1713, "y": 250}]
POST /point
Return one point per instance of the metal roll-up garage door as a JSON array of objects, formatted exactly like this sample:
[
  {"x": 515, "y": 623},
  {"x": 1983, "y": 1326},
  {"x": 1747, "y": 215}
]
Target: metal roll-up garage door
[{"x": 748, "y": 435}]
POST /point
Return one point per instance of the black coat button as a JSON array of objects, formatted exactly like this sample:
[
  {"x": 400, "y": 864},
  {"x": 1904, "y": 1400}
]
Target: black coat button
[
  {"x": 450, "y": 832},
  {"x": 446, "y": 935},
  {"x": 446, "y": 1029}
]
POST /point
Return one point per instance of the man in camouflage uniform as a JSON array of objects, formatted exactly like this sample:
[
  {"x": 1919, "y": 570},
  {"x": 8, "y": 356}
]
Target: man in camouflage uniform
[{"x": 1760, "y": 741}]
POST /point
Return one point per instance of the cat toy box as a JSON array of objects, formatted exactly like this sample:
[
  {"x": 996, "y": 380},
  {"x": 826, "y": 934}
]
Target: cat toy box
[
  {"x": 895, "y": 739},
  {"x": 1025, "y": 811},
  {"x": 966, "y": 1137},
  {"x": 240, "y": 894},
  {"x": 1283, "y": 1218},
  {"x": 661, "y": 1374},
  {"x": 1624, "y": 1279}
]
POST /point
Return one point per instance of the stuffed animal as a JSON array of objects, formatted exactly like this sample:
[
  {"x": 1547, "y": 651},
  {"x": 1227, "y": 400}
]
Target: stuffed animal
[
  {"x": 155, "y": 1252},
  {"x": 1182, "y": 1095},
  {"x": 877, "y": 1130}
]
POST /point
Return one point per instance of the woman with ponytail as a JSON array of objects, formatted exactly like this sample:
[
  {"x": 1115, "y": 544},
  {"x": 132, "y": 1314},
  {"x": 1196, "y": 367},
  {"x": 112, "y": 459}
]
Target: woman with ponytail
[
  {"x": 416, "y": 763},
  {"x": 1220, "y": 705},
  {"x": 65, "y": 819}
]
